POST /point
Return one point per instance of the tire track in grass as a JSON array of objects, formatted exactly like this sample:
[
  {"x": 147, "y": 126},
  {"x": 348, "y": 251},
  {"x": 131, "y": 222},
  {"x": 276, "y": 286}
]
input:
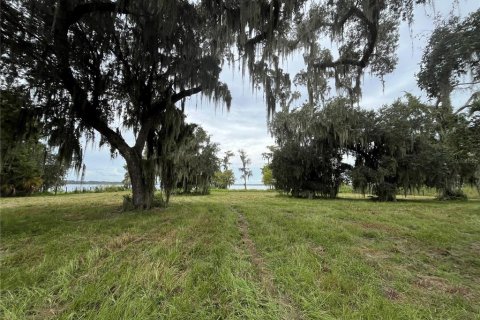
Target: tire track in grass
[{"x": 264, "y": 274}]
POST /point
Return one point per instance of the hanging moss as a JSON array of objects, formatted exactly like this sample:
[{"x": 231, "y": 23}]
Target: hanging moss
[{"x": 92, "y": 63}]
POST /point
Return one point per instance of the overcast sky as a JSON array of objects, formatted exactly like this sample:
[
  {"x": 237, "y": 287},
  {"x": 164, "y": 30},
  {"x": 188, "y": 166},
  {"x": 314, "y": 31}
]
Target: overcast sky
[{"x": 245, "y": 125}]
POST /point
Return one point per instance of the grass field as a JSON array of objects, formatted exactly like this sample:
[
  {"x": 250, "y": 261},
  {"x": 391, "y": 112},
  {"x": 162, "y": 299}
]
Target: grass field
[{"x": 239, "y": 255}]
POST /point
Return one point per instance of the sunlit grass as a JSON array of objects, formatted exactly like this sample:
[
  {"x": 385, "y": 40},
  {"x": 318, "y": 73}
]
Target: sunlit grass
[{"x": 239, "y": 255}]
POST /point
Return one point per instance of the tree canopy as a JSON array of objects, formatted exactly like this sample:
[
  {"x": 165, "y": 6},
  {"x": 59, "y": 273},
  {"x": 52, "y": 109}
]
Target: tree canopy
[
  {"x": 105, "y": 66},
  {"x": 311, "y": 142},
  {"x": 401, "y": 147},
  {"x": 27, "y": 165},
  {"x": 451, "y": 59},
  {"x": 197, "y": 164},
  {"x": 224, "y": 178}
]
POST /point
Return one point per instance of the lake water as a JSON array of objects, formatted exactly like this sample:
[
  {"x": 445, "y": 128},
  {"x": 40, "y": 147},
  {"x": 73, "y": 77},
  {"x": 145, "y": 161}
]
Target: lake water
[
  {"x": 91, "y": 187},
  {"x": 86, "y": 186},
  {"x": 249, "y": 187}
]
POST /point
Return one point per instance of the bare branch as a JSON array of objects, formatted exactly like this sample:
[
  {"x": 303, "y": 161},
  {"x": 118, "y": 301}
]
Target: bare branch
[
  {"x": 185, "y": 93},
  {"x": 370, "y": 46},
  {"x": 469, "y": 103}
]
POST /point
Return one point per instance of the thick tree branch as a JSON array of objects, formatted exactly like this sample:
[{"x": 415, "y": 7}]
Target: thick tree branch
[
  {"x": 465, "y": 84},
  {"x": 151, "y": 120},
  {"x": 83, "y": 108},
  {"x": 157, "y": 108},
  {"x": 371, "y": 41},
  {"x": 469, "y": 103},
  {"x": 185, "y": 93},
  {"x": 98, "y": 6},
  {"x": 339, "y": 62}
]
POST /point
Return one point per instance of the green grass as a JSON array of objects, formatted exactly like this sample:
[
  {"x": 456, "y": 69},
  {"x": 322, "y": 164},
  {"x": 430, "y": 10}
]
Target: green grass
[{"x": 239, "y": 255}]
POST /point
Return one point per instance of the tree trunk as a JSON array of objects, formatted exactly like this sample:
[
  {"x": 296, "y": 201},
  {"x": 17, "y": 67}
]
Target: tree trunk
[
  {"x": 245, "y": 183},
  {"x": 142, "y": 177},
  {"x": 387, "y": 191}
]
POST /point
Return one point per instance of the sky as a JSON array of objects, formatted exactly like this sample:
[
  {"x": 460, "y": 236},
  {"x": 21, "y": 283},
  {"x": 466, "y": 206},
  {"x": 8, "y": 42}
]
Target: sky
[{"x": 245, "y": 125}]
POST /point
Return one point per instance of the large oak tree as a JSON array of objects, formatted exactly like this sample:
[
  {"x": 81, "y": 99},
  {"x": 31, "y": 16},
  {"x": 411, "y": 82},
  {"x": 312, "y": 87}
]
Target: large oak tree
[{"x": 100, "y": 67}]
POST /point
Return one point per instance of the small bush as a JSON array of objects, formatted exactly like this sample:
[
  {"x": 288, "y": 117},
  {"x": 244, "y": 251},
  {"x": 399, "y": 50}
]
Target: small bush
[
  {"x": 114, "y": 188},
  {"x": 158, "y": 201},
  {"x": 127, "y": 204},
  {"x": 452, "y": 195}
]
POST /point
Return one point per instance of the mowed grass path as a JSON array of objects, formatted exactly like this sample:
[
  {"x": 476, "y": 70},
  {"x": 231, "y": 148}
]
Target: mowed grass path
[{"x": 239, "y": 255}]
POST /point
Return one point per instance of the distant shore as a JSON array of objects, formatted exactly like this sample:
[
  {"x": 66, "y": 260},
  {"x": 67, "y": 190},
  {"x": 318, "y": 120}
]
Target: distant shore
[
  {"x": 72, "y": 186},
  {"x": 109, "y": 183}
]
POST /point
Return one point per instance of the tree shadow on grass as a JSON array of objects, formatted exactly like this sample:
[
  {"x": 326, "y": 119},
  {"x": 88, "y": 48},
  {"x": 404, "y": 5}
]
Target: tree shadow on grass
[
  {"x": 372, "y": 199},
  {"x": 25, "y": 222}
]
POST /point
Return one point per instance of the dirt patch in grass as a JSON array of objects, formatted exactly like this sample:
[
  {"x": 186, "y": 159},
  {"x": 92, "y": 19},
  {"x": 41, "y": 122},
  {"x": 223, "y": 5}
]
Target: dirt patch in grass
[
  {"x": 122, "y": 241},
  {"x": 432, "y": 283},
  {"x": 438, "y": 253},
  {"x": 475, "y": 246},
  {"x": 372, "y": 254},
  {"x": 377, "y": 226},
  {"x": 167, "y": 239},
  {"x": 318, "y": 250},
  {"x": 462, "y": 291},
  {"x": 50, "y": 312},
  {"x": 392, "y": 294}
]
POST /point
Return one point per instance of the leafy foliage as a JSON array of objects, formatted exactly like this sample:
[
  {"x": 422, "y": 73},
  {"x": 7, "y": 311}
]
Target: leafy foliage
[
  {"x": 54, "y": 171},
  {"x": 223, "y": 179},
  {"x": 401, "y": 147},
  {"x": 198, "y": 163},
  {"x": 23, "y": 175},
  {"x": 26, "y": 164},
  {"x": 451, "y": 58},
  {"x": 451, "y": 61},
  {"x": 415, "y": 145},
  {"x": 393, "y": 151},
  {"x": 267, "y": 176},
  {"x": 226, "y": 159},
  {"x": 190, "y": 163},
  {"x": 127, "y": 183},
  {"x": 308, "y": 160},
  {"x": 104, "y": 63}
]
